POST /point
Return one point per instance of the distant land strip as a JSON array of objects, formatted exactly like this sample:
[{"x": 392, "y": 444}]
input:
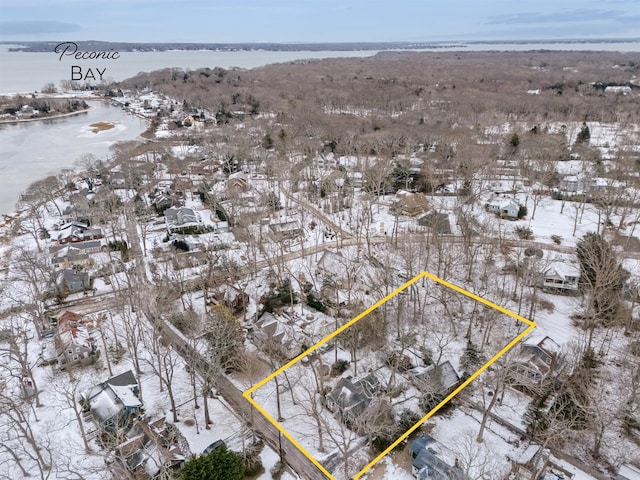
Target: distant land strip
[{"x": 48, "y": 46}]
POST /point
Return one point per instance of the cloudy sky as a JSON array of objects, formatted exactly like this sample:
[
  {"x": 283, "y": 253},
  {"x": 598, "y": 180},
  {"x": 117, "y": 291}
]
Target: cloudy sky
[{"x": 316, "y": 21}]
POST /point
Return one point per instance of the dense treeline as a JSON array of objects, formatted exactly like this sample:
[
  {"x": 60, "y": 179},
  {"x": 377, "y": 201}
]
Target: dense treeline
[{"x": 388, "y": 103}]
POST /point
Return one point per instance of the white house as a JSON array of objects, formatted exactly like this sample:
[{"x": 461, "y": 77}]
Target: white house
[
  {"x": 618, "y": 89},
  {"x": 505, "y": 207},
  {"x": 561, "y": 277}
]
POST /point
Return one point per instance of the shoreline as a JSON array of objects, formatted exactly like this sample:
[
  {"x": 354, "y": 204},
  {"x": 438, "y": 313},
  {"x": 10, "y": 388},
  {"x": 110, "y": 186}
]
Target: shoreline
[
  {"x": 59, "y": 115},
  {"x": 7, "y": 217}
]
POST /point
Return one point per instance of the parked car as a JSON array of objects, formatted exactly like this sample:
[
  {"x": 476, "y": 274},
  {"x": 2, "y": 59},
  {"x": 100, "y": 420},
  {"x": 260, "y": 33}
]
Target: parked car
[{"x": 214, "y": 446}]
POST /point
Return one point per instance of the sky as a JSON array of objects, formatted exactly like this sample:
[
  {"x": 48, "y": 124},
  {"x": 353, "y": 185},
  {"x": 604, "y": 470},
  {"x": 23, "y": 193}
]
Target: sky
[{"x": 233, "y": 21}]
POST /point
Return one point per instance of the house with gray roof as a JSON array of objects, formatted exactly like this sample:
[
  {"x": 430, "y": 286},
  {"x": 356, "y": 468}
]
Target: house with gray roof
[
  {"x": 441, "y": 379},
  {"x": 274, "y": 332},
  {"x": 88, "y": 247},
  {"x": 67, "y": 282},
  {"x": 427, "y": 463},
  {"x": 438, "y": 222},
  {"x": 538, "y": 361},
  {"x": 181, "y": 217},
  {"x": 69, "y": 256},
  {"x": 348, "y": 400}
]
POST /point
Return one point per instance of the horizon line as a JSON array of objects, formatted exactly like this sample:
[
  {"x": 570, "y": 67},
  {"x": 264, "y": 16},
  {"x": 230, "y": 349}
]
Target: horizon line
[{"x": 363, "y": 42}]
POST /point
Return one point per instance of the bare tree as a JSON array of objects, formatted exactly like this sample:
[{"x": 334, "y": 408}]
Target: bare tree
[
  {"x": 477, "y": 461},
  {"x": 163, "y": 361},
  {"x": 32, "y": 452},
  {"x": 17, "y": 363},
  {"x": 69, "y": 388}
]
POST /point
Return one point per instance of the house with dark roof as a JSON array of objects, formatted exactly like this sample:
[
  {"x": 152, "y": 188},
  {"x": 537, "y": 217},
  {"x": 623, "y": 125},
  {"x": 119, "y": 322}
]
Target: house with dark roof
[
  {"x": 438, "y": 222},
  {"x": 68, "y": 281},
  {"x": 114, "y": 403},
  {"x": 441, "y": 379},
  {"x": 427, "y": 463},
  {"x": 349, "y": 400}
]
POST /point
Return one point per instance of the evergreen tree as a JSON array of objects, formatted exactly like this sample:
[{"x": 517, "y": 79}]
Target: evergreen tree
[
  {"x": 584, "y": 135},
  {"x": 602, "y": 276},
  {"x": 522, "y": 212},
  {"x": 221, "y": 464},
  {"x": 267, "y": 142},
  {"x": 471, "y": 359}
]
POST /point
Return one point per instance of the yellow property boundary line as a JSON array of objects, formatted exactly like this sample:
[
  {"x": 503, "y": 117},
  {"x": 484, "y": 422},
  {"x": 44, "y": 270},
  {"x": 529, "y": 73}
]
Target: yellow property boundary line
[{"x": 248, "y": 393}]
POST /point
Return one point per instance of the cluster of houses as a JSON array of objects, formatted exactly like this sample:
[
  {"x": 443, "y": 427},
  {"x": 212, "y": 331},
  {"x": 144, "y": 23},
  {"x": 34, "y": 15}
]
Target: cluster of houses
[
  {"x": 71, "y": 257},
  {"x": 350, "y": 400},
  {"x": 139, "y": 447}
]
